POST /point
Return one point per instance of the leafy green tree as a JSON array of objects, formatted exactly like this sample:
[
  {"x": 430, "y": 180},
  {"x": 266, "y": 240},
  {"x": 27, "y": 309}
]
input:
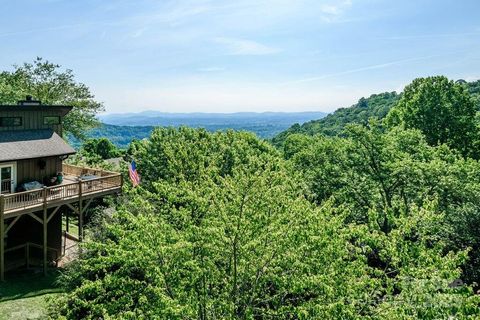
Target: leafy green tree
[
  {"x": 47, "y": 82},
  {"x": 182, "y": 154},
  {"x": 296, "y": 143},
  {"x": 474, "y": 89},
  {"x": 101, "y": 147},
  {"x": 443, "y": 110}
]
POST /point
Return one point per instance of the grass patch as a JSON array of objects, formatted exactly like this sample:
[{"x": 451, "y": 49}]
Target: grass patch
[
  {"x": 29, "y": 308},
  {"x": 23, "y": 295},
  {"x": 73, "y": 225},
  {"x": 21, "y": 285}
]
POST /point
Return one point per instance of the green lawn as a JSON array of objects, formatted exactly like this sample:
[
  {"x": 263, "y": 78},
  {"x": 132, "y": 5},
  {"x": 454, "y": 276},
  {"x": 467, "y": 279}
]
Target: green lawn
[{"x": 23, "y": 295}]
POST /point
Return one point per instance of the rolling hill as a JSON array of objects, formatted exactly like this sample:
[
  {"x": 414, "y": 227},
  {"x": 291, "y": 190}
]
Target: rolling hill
[{"x": 376, "y": 106}]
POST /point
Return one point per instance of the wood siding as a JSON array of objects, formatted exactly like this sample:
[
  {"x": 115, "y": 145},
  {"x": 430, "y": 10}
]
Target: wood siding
[
  {"x": 32, "y": 120},
  {"x": 29, "y": 170}
]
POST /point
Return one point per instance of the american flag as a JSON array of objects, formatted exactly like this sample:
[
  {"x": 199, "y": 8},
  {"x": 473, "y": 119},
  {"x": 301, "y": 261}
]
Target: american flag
[{"x": 132, "y": 172}]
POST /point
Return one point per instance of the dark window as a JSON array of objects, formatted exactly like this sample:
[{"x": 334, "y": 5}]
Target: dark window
[
  {"x": 51, "y": 120},
  {"x": 10, "y": 121}
]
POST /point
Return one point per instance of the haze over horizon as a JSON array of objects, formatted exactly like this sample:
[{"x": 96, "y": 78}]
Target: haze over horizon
[
  {"x": 157, "y": 112},
  {"x": 243, "y": 56}
]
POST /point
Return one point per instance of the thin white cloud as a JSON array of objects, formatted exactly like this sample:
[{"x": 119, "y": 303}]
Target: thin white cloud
[
  {"x": 366, "y": 68},
  {"x": 55, "y": 28},
  {"x": 334, "y": 10},
  {"x": 138, "y": 33},
  {"x": 178, "y": 13},
  {"x": 429, "y": 36},
  {"x": 211, "y": 69},
  {"x": 236, "y": 46},
  {"x": 329, "y": 9},
  {"x": 174, "y": 16}
]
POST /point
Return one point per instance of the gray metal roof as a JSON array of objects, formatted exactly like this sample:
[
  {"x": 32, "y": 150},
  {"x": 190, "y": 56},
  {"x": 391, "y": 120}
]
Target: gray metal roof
[{"x": 30, "y": 144}]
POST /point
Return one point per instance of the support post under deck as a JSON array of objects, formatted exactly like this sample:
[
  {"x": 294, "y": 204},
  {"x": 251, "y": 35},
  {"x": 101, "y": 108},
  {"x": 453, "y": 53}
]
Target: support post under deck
[
  {"x": 45, "y": 230},
  {"x": 80, "y": 211}
]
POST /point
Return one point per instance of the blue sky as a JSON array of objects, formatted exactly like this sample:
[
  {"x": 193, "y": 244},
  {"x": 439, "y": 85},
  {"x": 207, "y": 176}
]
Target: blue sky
[{"x": 243, "y": 55}]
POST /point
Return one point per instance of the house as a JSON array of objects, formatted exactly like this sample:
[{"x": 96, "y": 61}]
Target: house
[{"x": 37, "y": 187}]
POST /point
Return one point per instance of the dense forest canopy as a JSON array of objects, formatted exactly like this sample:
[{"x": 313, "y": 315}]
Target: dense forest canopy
[
  {"x": 371, "y": 225},
  {"x": 375, "y": 106}
]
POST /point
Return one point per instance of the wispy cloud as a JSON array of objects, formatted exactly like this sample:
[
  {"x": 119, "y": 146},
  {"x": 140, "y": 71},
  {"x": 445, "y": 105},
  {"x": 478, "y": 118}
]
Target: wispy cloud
[
  {"x": 366, "y": 68},
  {"x": 138, "y": 33},
  {"x": 333, "y": 10},
  {"x": 178, "y": 13},
  {"x": 175, "y": 15},
  {"x": 211, "y": 69},
  {"x": 432, "y": 36},
  {"x": 47, "y": 29},
  {"x": 245, "y": 47}
]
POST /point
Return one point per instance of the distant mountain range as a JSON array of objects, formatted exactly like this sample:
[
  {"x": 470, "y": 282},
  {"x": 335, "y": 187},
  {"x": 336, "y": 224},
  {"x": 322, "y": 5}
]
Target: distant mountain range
[
  {"x": 156, "y": 118},
  {"x": 122, "y": 128}
]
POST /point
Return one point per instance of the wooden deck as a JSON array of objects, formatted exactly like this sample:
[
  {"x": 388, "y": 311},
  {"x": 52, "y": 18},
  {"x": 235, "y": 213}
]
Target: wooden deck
[
  {"x": 79, "y": 187},
  {"x": 71, "y": 190}
]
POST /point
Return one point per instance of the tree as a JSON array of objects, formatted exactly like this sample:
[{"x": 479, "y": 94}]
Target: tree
[
  {"x": 442, "y": 110},
  {"x": 47, "y": 82},
  {"x": 295, "y": 143},
  {"x": 101, "y": 147}
]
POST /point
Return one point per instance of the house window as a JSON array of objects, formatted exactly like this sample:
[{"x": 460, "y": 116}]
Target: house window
[
  {"x": 51, "y": 120},
  {"x": 10, "y": 121}
]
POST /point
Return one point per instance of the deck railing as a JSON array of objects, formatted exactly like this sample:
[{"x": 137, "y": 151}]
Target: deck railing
[
  {"x": 71, "y": 170},
  {"x": 27, "y": 248},
  {"x": 35, "y": 198}
]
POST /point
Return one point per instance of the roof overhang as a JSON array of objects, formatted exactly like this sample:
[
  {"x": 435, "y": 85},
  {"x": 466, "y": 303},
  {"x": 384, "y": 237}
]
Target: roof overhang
[
  {"x": 62, "y": 110},
  {"x": 31, "y": 144}
]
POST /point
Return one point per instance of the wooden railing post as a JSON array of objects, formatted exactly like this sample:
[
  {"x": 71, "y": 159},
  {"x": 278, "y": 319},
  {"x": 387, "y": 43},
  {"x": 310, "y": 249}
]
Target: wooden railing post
[
  {"x": 67, "y": 221},
  {"x": 80, "y": 211},
  {"x": 2, "y": 237},
  {"x": 64, "y": 251},
  {"x": 45, "y": 230}
]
